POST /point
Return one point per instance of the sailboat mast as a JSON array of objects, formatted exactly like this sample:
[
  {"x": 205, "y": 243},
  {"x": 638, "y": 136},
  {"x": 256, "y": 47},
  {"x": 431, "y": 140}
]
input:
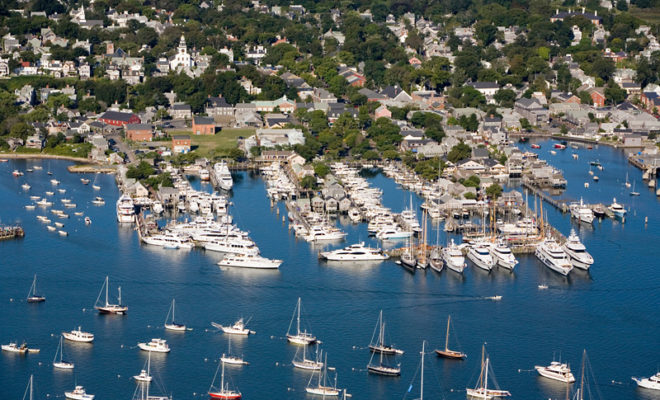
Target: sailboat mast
[
  {"x": 447, "y": 335},
  {"x": 486, "y": 381},
  {"x": 421, "y": 383},
  {"x": 119, "y": 297},
  {"x": 298, "y": 319},
  {"x": 222, "y": 378},
  {"x": 581, "y": 394},
  {"x": 31, "y": 387},
  {"x": 172, "y": 310},
  {"x": 106, "y": 291}
]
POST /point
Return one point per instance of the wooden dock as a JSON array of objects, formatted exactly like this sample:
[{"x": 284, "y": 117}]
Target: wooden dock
[{"x": 561, "y": 205}]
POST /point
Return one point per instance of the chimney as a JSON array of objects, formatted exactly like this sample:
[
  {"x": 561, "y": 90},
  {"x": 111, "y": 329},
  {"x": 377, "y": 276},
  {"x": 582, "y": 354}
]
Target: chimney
[
  {"x": 596, "y": 13},
  {"x": 582, "y": 10},
  {"x": 557, "y": 12}
]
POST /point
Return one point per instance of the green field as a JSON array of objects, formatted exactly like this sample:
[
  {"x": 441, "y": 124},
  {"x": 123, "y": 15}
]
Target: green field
[
  {"x": 218, "y": 144},
  {"x": 650, "y": 15}
]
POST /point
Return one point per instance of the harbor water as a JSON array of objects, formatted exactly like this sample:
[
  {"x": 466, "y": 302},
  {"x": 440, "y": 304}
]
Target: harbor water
[{"x": 612, "y": 311}]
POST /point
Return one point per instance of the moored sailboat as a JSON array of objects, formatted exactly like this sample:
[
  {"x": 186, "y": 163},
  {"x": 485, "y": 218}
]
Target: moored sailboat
[
  {"x": 447, "y": 353},
  {"x": 173, "y": 326},
  {"x": 223, "y": 392},
  {"x": 145, "y": 375},
  {"x": 379, "y": 345},
  {"x": 322, "y": 388},
  {"x": 299, "y": 337},
  {"x": 32, "y": 296},
  {"x": 305, "y": 363},
  {"x": 232, "y": 359},
  {"x": 107, "y": 308},
  {"x": 481, "y": 391},
  {"x": 61, "y": 364}
]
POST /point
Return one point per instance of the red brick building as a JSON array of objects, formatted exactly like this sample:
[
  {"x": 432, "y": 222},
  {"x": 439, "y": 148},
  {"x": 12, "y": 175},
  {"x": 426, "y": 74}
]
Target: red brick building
[
  {"x": 181, "y": 144},
  {"x": 139, "y": 132},
  {"x": 203, "y": 126},
  {"x": 118, "y": 118}
]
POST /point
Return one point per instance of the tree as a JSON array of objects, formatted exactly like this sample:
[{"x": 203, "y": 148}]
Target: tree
[
  {"x": 505, "y": 97},
  {"x": 321, "y": 170},
  {"x": 142, "y": 171},
  {"x": 494, "y": 191},
  {"x": 459, "y": 152},
  {"x": 614, "y": 94},
  {"x": 308, "y": 182},
  {"x": 237, "y": 155},
  {"x": 524, "y": 124},
  {"x": 472, "y": 181}
]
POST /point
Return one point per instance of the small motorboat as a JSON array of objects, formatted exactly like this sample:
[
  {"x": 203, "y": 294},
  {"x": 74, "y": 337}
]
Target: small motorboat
[
  {"x": 84, "y": 181},
  {"x": 88, "y": 220}
]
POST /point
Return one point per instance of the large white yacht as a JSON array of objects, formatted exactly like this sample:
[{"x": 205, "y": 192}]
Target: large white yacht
[
  {"x": 557, "y": 371},
  {"x": 169, "y": 240},
  {"x": 393, "y": 232},
  {"x": 249, "y": 261},
  {"x": 503, "y": 256},
  {"x": 78, "y": 336},
  {"x": 617, "y": 209},
  {"x": 233, "y": 246},
  {"x": 223, "y": 176},
  {"x": 453, "y": 257},
  {"x": 479, "y": 254},
  {"x": 324, "y": 233},
  {"x": 355, "y": 252},
  {"x": 582, "y": 213},
  {"x": 649, "y": 383},
  {"x": 577, "y": 253},
  {"x": 156, "y": 345},
  {"x": 125, "y": 209},
  {"x": 552, "y": 255}
]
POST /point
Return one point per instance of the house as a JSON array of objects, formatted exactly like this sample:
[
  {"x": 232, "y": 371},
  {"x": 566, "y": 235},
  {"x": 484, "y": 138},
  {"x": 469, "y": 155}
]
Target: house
[
  {"x": 118, "y": 118},
  {"x": 632, "y": 88},
  {"x": 275, "y": 155},
  {"x": 181, "y": 144},
  {"x": 371, "y": 95},
  {"x": 397, "y": 94},
  {"x": 597, "y": 96},
  {"x": 34, "y": 142},
  {"x": 382, "y": 112},
  {"x": 277, "y": 120},
  {"x": 285, "y": 105},
  {"x": 203, "y": 126},
  {"x": 180, "y": 111},
  {"x": 4, "y": 67},
  {"x": 353, "y": 78},
  {"x": 593, "y": 17},
  {"x": 139, "y": 132},
  {"x": 488, "y": 89},
  {"x": 532, "y": 110}
]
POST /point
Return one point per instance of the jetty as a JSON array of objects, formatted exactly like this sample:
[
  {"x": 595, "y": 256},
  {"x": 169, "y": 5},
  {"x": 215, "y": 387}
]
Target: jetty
[{"x": 11, "y": 232}]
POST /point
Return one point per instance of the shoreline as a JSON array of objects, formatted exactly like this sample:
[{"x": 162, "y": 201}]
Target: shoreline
[{"x": 46, "y": 156}]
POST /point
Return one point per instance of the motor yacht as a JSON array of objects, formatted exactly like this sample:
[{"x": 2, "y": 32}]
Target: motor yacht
[
  {"x": 581, "y": 212},
  {"x": 78, "y": 394},
  {"x": 652, "y": 382},
  {"x": 453, "y": 257},
  {"x": 503, "y": 256},
  {"x": 392, "y": 233},
  {"x": 125, "y": 209},
  {"x": 553, "y": 256},
  {"x": 169, "y": 240},
  {"x": 233, "y": 246},
  {"x": 98, "y": 201},
  {"x": 15, "y": 348},
  {"x": 223, "y": 176},
  {"x": 77, "y": 335},
  {"x": 319, "y": 233},
  {"x": 557, "y": 371},
  {"x": 479, "y": 254},
  {"x": 355, "y": 252},
  {"x": 249, "y": 261},
  {"x": 577, "y": 253},
  {"x": 155, "y": 345},
  {"x": 617, "y": 209}
]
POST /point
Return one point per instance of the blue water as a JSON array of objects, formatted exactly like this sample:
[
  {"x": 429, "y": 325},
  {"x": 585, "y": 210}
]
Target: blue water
[{"x": 612, "y": 311}]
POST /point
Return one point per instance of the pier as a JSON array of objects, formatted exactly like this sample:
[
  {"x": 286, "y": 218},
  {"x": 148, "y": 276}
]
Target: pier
[
  {"x": 11, "y": 232},
  {"x": 561, "y": 205}
]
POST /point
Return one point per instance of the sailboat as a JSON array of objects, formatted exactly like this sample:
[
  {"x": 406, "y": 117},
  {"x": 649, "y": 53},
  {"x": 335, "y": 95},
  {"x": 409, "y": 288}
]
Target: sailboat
[
  {"x": 145, "y": 376},
  {"x": 481, "y": 391},
  {"x": 435, "y": 259},
  {"x": 408, "y": 260},
  {"x": 305, "y": 363},
  {"x": 627, "y": 182},
  {"x": 94, "y": 185},
  {"x": 379, "y": 346},
  {"x": 173, "y": 326},
  {"x": 421, "y": 375},
  {"x": 579, "y": 394},
  {"x": 107, "y": 308},
  {"x": 32, "y": 296},
  {"x": 633, "y": 192},
  {"x": 230, "y": 359},
  {"x": 300, "y": 337},
  {"x": 322, "y": 387},
  {"x": 422, "y": 259},
  {"x": 29, "y": 390},
  {"x": 61, "y": 364},
  {"x": 382, "y": 368},
  {"x": 451, "y": 354},
  {"x": 223, "y": 393}
]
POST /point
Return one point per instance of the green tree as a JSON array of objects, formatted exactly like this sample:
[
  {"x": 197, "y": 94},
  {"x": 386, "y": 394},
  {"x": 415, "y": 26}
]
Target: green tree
[
  {"x": 321, "y": 169},
  {"x": 494, "y": 191},
  {"x": 459, "y": 152},
  {"x": 308, "y": 182}
]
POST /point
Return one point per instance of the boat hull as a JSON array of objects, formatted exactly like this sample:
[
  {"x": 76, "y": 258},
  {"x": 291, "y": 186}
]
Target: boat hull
[
  {"x": 63, "y": 365},
  {"x": 36, "y": 299},
  {"x": 301, "y": 340},
  {"x": 385, "y": 371},
  {"x": 175, "y": 327},
  {"x": 385, "y": 350},
  {"x": 543, "y": 371},
  {"x": 227, "y": 395},
  {"x": 646, "y": 383},
  {"x": 112, "y": 310},
  {"x": 323, "y": 391},
  {"x": 563, "y": 270},
  {"x": 451, "y": 354}
]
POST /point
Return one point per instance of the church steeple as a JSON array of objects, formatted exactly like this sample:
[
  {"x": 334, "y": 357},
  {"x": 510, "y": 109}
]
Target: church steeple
[{"x": 182, "y": 44}]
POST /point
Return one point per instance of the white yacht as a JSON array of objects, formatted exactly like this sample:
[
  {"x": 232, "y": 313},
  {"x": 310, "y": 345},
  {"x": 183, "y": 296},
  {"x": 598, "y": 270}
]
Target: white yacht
[
  {"x": 649, "y": 383},
  {"x": 238, "y": 328},
  {"x": 223, "y": 176},
  {"x": 157, "y": 207},
  {"x": 77, "y": 335},
  {"x": 581, "y": 212},
  {"x": 479, "y": 254},
  {"x": 156, "y": 345},
  {"x": 233, "y": 246},
  {"x": 552, "y": 255},
  {"x": 319, "y": 233},
  {"x": 577, "y": 253},
  {"x": 453, "y": 257},
  {"x": 169, "y": 240},
  {"x": 78, "y": 394},
  {"x": 503, "y": 256},
  {"x": 249, "y": 261},
  {"x": 557, "y": 371},
  {"x": 125, "y": 209},
  {"x": 617, "y": 209},
  {"x": 355, "y": 252},
  {"x": 392, "y": 232}
]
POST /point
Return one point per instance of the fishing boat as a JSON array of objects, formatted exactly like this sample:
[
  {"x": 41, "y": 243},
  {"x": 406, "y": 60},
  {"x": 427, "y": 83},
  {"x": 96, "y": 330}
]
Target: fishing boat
[
  {"x": 299, "y": 337},
  {"x": 173, "y": 326},
  {"x": 107, "y": 308},
  {"x": 556, "y": 371},
  {"x": 60, "y": 363},
  {"x": 447, "y": 353},
  {"x": 232, "y": 359},
  {"x": 321, "y": 388},
  {"x": 156, "y": 345},
  {"x": 305, "y": 363},
  {"x": 238, "y": 328},
  {"x": 378, "y": 345},
  {"x": 481, "y": 391},
  {"x": 145, "y": 375},
  {"x": 15, "y": 348},
  {"x": 32, "y": 296},
  {"x": 78, "y": 394},
  {"x": 78, "y": 336},
  {"x": 98, "y": 201},
  {"x": 222, "y": 393},
  {"x": 652, "y": 382}
]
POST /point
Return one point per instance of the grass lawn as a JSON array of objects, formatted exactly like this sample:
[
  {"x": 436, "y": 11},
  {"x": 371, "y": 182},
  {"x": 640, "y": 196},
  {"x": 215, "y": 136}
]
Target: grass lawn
[
  {"x": 650, "y": 15},
  {"x": 222, "y": 141}
]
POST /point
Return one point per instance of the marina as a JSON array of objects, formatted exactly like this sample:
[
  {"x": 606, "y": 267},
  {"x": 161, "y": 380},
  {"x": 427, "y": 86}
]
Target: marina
[{"x": 150, "y": 276}]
